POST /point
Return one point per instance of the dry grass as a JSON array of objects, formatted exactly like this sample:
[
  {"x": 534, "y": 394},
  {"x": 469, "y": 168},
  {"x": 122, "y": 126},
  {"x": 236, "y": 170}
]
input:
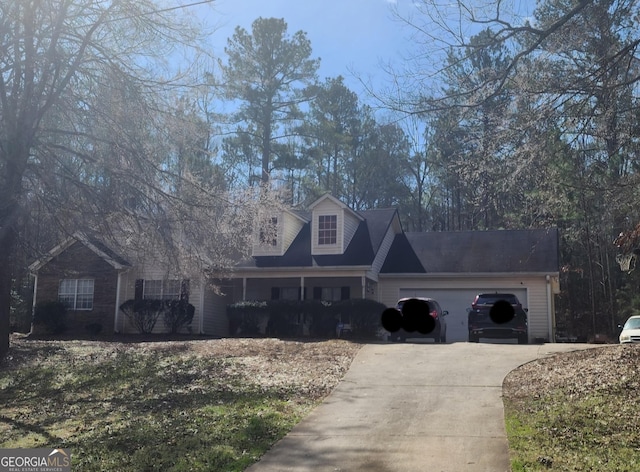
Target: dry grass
[
  {"x": 219, "y": 404},
  {"x": 164, "y": 405},
  {"x": 576, "y": 411}
]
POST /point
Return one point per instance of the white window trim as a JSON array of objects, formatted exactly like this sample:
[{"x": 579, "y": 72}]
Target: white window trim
[
  {"x": 163, "y": 288},
  {"x": 75, "y": 293},
  {"x": 335, "y": 230}
]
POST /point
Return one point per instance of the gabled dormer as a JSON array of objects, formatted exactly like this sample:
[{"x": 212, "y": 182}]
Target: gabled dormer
[
  {"x": 276, "y": 232},
  {"x": 333, "y": 224}
]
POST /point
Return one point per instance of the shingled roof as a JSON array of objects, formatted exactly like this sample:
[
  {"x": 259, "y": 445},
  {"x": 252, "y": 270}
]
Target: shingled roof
[
  {"x": 531, "y": 250},
  {"x": 362, "y": 248}
]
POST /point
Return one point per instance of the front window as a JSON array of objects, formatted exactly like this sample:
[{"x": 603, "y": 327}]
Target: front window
[
  {"x": 327, "y": 229},
  {"x": 152, "y": 289},
  {"x": 76, "y": 294},
  {"x": 269, "y": 233},
  {"x": 290, "y": 293},
  {"x": 331, "y": 294},
  {"x": 162, "y": 289}
]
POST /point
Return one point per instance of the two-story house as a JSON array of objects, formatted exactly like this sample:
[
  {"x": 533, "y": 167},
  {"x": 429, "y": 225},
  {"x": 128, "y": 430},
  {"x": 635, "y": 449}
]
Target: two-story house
[{"x": 330, "y": 252}]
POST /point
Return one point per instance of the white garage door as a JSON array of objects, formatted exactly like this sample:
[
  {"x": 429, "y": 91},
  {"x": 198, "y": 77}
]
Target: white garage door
[{"x": 456, "y": 302}]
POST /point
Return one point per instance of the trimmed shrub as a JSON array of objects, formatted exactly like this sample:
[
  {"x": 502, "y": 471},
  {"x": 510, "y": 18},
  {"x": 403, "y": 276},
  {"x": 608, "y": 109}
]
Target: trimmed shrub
[
  {"x": 178, "y": 314},
  {"x": 51, "y": 316},
  {"x": 93, "y": 328},
  {"x": 287, "y": 318},
  {"x": 245, "y": 317},
  {"x": 363, "y": 315},
  {"x": 143, "y": 313}
]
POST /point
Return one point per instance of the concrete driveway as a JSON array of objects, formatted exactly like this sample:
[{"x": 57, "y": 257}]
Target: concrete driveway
[{"x": 410, "y": 408}]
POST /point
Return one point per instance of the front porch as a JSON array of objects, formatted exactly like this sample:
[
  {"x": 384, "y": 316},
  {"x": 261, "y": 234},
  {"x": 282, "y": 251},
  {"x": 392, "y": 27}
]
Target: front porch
[
  {"x": 288, "y": 288},
  {"x": 334, "y": 288}
]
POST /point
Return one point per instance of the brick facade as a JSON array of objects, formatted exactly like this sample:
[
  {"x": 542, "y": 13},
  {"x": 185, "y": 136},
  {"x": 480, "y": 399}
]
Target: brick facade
[{"x": 79, "y": 262}]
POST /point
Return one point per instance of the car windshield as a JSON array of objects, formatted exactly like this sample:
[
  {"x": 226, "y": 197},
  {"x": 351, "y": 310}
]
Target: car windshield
[
  {"x": 491, "y": 299},
  {"x": 633, "y": 323},
  {"x": 402, "y": 302}
]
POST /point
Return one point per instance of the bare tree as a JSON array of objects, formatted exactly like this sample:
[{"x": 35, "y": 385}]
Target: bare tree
[
  {"x": 564, "y": 136},
  {"x": 91, "y": 139}
]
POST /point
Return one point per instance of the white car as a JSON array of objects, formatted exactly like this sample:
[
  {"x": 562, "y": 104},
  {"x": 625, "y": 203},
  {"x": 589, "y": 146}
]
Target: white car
[{"x": 631, "y": 331}]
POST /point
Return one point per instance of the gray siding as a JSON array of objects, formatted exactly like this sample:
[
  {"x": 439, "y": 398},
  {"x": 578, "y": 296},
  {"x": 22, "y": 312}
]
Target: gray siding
[
  {"x": 327, "y": 207},
  {"x": 351, "y": 224},
  {"x": 127, "y": 292},
  {"x": 215, "y": 321},
  {"x": 383, "y": 251}
]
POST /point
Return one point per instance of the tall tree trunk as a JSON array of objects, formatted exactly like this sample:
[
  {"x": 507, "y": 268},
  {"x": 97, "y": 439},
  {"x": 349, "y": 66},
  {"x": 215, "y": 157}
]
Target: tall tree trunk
[
  {"x": 266, "y": 143},
  {"x": 7, "y": 243},
  {"x": 266, "y": 157},
  {"x": 14, "y": 154}
]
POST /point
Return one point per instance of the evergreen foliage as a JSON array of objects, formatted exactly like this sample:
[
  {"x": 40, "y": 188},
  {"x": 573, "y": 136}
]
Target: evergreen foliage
[
  {"x": 314, "y": 318},
  {"x": 51, "y": 316}
]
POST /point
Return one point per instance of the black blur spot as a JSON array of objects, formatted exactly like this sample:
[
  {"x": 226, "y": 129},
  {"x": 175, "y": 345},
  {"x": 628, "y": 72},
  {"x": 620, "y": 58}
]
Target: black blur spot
[
  {"x": 502, "y": 312},
  {"x": 391, "y": 320},
  {"x": 416, "y": 317},
  {"x": 414, "y": 307},
  {"x": 426, "y": 324}
]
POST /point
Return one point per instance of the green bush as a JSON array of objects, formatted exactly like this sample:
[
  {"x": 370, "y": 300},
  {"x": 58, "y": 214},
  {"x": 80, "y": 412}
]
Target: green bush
[
  {"x": 178, "y": 314},
  {"x": 287, "y": 317},
  {"x": 363, "y": 315},
  {"x": 244, "y": 317},
  {"x": 51, "y": 316}
]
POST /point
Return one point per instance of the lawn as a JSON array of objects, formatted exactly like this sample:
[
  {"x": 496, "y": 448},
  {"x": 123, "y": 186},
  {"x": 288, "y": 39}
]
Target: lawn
[
  {"x": 218, "y": 405},
  {"x": 576, "y": 412},
  {"x": 163, "y": 406}
]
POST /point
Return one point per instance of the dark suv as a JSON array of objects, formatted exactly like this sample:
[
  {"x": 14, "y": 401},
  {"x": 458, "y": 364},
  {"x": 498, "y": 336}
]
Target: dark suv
[
  {"x": 432, "y": 309},
  {"x": 497, "y": 315}
]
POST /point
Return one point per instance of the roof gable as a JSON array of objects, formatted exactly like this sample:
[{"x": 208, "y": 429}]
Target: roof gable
[
  {"x": 401, "y": 258},
  {"x": 297, "y": 255},
  {"x": 361, "y": 251},
  {"x": 97, "y": 247},
  {"x": 378, "y": 222},
  {"x": 337, "y": 203}
]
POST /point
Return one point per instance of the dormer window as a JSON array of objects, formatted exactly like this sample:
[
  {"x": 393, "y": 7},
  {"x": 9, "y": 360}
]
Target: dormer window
[
  {"x": 327, "y": 229},
  {"x": 269, "y": 234}
]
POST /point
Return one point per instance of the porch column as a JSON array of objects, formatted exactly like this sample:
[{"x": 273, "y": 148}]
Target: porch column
[
  {"x": 302, "y": 287},
  {"x": 364, "y": 286},
  {"x": 244, "y": 289},
  {"x": 35, "y": 300},
  {"x": 550, "y": 324},
  {"x": 116, "y": 316}
]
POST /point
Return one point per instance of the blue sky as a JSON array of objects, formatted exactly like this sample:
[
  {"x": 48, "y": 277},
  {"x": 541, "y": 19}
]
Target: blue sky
[{"x": 347, "y": 35}]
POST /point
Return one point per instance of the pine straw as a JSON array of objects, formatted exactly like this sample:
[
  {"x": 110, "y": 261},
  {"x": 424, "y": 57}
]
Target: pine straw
[
  {"x": 577, "y": 374},
  {"x": 576, "y": 411},
  {"x": 308, "y": 367}
]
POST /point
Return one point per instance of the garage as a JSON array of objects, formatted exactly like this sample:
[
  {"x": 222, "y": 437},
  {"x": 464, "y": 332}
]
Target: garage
[{"x": 456, "y": 302}]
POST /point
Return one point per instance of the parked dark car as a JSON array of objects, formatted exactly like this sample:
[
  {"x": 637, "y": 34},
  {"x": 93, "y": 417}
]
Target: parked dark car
[
  {"x": 428, "y": 307},
  {"x": 498, "y": 316}
]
